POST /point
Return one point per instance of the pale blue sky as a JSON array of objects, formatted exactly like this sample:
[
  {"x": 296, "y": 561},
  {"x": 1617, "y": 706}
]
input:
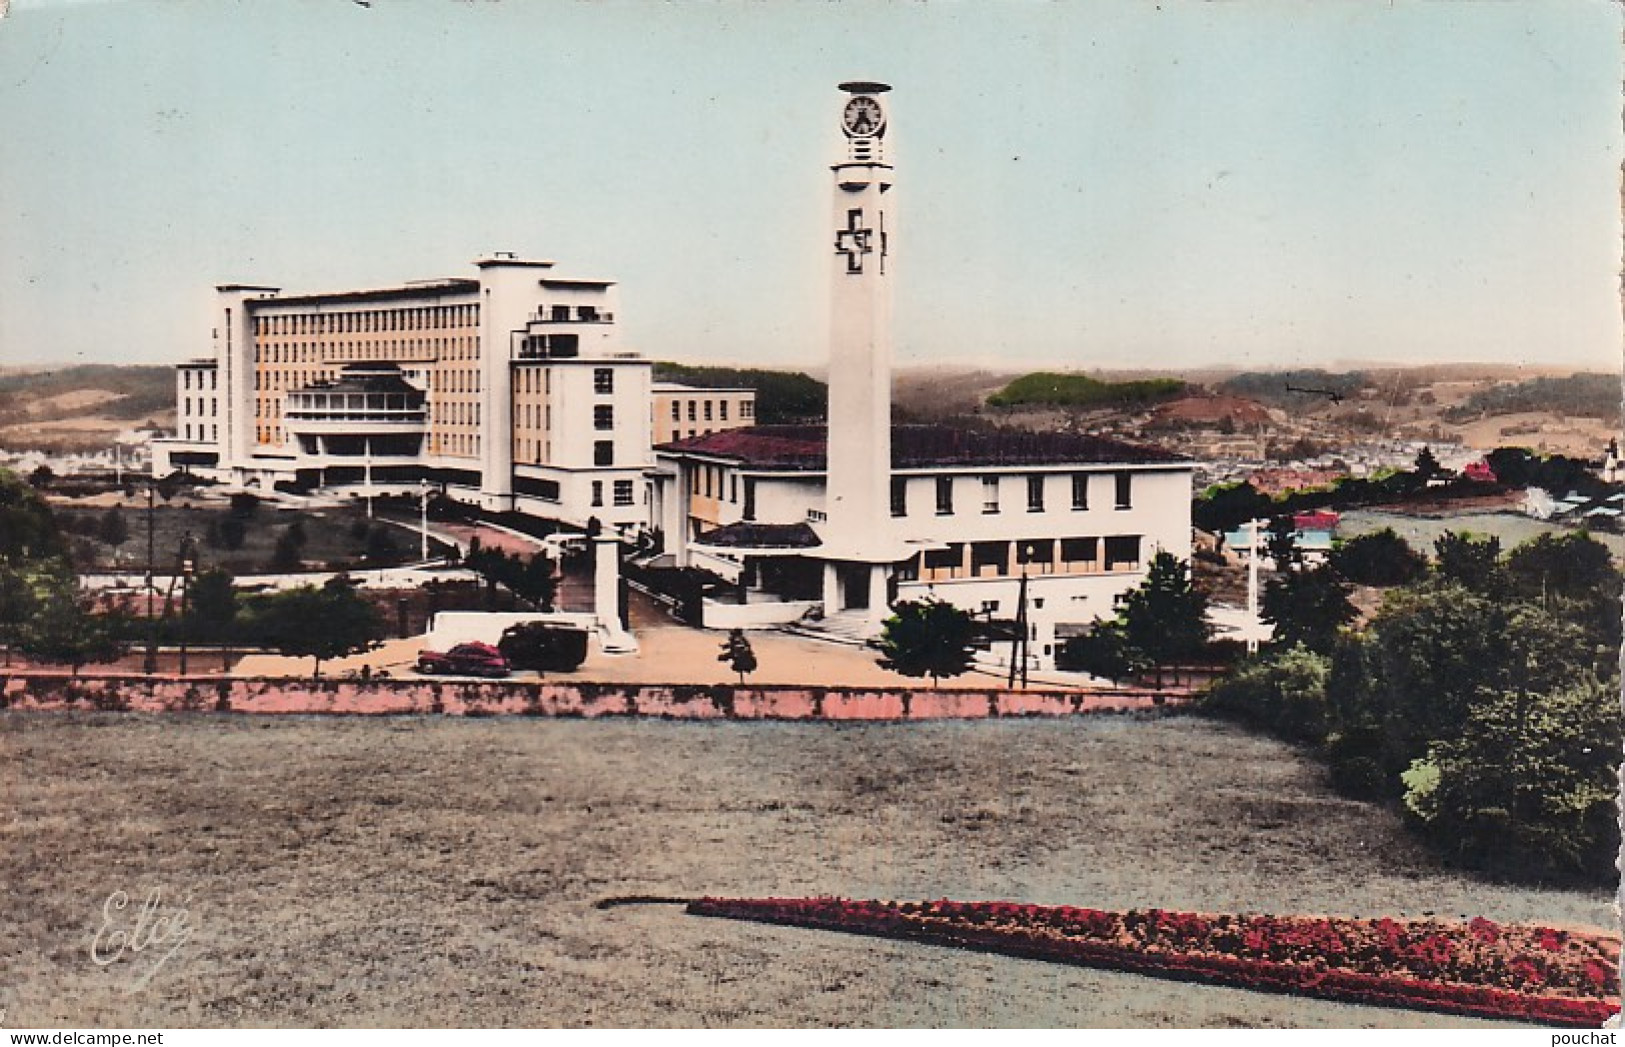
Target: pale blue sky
[{"x": 1081, "y": 184}]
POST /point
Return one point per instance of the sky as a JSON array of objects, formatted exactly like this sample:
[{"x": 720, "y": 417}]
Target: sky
[{"x": 1080, "y": 185}]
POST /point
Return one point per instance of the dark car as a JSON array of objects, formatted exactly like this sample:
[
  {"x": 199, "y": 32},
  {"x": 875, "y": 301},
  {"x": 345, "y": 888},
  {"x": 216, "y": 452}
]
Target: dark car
[{"x": 465, "y": 659}]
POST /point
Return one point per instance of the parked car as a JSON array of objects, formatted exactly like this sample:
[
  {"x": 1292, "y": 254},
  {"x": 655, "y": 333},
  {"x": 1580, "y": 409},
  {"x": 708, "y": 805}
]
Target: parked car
[
  {"x": 544, "y": 647},
  {"x": 465, "y": 659}
]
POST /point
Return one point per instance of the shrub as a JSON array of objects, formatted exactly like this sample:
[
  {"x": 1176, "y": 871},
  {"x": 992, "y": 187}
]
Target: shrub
[{"x": 1284, "y": 692}]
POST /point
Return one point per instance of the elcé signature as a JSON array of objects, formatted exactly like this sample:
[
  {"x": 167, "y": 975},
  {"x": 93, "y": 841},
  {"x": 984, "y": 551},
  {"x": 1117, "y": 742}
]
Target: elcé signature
[{"x": 153, "y": 927}]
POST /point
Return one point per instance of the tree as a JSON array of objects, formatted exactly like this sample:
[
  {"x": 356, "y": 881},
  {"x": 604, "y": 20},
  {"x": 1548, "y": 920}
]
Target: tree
[
  {"x": 212, "y": 614},
  {"x": 736, "y": 651},
  {"x": 285, "y": 556},
  {"x": 113, "y": 530},
  {"x": 1308, "y": 608},
  {"x": 28, "y": 531},
  {"x": 1226, "y": 507},
  {"x": 927, "y": 638},
  {"x": 1573, "y": 576},
  {"x": 1103, "y": 651},
  {"x": 1529, "y": 781},
  {"x": 64, "y": 629},
  {"x": 1468, "y": 561},
  {"x": 1381, "y": 558},
  {"x": 233, "y": 530},
  {"x": 324, "y": 623},
  {"x": 18, "y": 604},
  {"x": 1427, "y": 466},
  {"x": 1164, "y": 618},
  {"x": 1281, "y": 543}
]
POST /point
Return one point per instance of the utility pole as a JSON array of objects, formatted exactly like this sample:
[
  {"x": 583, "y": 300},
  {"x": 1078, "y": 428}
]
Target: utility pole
[
  {"x": 423, "y": 520},
  {"x": 1253, "y": 621}
]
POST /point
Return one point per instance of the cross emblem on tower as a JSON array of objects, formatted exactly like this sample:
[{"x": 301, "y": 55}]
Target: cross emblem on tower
[{"x": 854, "y": 241}]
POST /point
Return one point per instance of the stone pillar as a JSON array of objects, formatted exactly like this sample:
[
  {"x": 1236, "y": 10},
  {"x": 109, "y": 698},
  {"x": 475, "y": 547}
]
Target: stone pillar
[
  {"x": 832, "y": 588},
  {"x": 878, "y": 609},
  {"x": 606, "y": 597}
]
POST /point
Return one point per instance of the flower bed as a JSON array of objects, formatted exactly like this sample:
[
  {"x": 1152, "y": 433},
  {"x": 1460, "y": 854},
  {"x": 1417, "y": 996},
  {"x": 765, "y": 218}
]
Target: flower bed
[{"x": 1480, "y": 968}]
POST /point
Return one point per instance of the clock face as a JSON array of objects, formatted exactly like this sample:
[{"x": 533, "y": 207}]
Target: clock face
[{"x": 863, "y": 117}]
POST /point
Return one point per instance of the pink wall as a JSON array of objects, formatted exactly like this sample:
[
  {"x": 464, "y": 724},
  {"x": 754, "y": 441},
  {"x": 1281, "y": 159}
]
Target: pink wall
[{"x": 43, "y": 690}]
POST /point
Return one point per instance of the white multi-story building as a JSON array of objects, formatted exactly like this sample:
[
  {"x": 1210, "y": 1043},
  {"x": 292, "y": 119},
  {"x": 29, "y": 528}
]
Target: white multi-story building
[
  {"x": 841, "y": 522},
  {"x": 509, "y": 390}
]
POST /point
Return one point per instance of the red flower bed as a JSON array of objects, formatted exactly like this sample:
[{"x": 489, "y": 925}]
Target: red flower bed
[{"x": 1480, "y": 968}]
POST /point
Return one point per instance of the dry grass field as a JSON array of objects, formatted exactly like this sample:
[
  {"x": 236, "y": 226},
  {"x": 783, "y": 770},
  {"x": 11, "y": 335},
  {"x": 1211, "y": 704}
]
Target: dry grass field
[{"x": 444, "y": 871}]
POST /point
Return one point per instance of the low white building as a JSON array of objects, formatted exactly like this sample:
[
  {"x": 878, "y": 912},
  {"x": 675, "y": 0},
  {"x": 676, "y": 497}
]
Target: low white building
[{"x": 971, "y": 514}]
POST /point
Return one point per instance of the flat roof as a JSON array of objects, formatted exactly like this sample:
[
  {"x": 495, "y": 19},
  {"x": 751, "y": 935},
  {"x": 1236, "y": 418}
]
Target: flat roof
[
  {"x": 802, "y": 448},
  {"x": 560, "y": 282},
  {"x": 377, "y": 294}
]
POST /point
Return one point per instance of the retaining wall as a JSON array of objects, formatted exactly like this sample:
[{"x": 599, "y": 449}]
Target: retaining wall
[{"x": 34, "y": 690}]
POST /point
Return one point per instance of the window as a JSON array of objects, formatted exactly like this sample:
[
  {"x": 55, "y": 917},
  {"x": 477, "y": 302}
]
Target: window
[
  {"x": 623, "y": 492},
  {"x": 733, "y": 488},
  {"x": 1080, "y": 550},
  {"x": 1123, "y": 552},
  {"x": 722, "y": 410},
  {"x": 1080, "y": 490},
  {"x": 749, "y": 512},
  {"x": 597, "y": 493},
  {"x": 945, "y": 495},
  {"x": 603, "y": 452},
  {"x": 603, "y": 380},
  {"x": 948, "y": 559},
  {"x": 676, "y": 410},
  {"x": 747, "y": 409},
  {"x": 693, "y": 411},
  {"x": 1125, "y": 490},
  {"x": 990, "y": 494},
  {"x": 603, "y": 416},
  {"x": 559, "y": 312},
  {"x": 1035, "y": 494},
  {"x": 899, "y": 496},
  {"x": 708, "y": 410},
  {"x": 1036, "y": 551},
  {"x": 989, "y": 554}
]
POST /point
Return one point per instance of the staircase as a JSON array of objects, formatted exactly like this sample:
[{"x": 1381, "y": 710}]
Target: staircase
[{"x": 851, "y": 628}]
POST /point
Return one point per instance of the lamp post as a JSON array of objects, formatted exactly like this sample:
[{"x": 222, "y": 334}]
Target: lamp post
[
  {"x": 150, "y": 664},
  {"x": 187, "y": 563}
]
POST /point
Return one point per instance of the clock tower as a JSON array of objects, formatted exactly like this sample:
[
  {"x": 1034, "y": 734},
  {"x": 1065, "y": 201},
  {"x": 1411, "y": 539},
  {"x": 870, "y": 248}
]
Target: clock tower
[{"x": 862, "y": 245}]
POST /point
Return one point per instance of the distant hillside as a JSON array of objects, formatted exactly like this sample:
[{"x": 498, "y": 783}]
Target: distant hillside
[
  {"x": 782, "y": 397},
  {"x": 131, "y": 393},
  {"x": 1584, "y": 395},
  {"x": 1049, "y": 389},
  {"x": 1272, "y": 387}
]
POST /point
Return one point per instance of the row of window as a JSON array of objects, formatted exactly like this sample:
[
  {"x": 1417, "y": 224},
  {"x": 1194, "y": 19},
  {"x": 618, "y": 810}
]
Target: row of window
[
  {"x": 418, "y": 318},
  {"x": 1037, "y": 487},
  {"x": 213, "y": 406},
  {"x": 747, "y": 409},
  {"x": 622, "y": 492},
  {"x": 367, "y": 349},
  {"x": 462, "y": 444},
  {"x": 213, "y": 430},
  {"x": 212, "y": 375},
  {"x": 1037, "y": 555}
]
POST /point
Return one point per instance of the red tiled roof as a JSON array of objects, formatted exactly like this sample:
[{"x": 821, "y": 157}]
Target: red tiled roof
[{"x": 801, "y": 447}]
